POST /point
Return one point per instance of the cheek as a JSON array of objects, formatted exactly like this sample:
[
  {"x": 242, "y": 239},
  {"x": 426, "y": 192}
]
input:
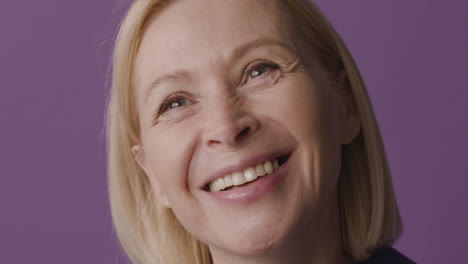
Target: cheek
[
  {"x": 168, "y": 151},
  {"x": 306, "y": 109},
  {"x": 309, "y": 113}
]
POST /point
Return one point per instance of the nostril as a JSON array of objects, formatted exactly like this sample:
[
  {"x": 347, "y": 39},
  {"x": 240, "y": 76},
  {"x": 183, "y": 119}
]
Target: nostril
[{"x": 244, "y": 132}]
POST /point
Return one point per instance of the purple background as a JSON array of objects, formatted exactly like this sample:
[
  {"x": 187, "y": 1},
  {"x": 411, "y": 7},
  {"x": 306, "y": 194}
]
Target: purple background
[{"x": 53, "y": 82}]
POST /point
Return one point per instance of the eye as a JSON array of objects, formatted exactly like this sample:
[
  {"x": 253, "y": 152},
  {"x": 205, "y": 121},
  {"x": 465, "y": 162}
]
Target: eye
[
  {"x": 177, "y": 102},
  {"x": 257, "y": 72},
  {"x": 261, "y": 69},
  {"x": 172, "y": 103}
]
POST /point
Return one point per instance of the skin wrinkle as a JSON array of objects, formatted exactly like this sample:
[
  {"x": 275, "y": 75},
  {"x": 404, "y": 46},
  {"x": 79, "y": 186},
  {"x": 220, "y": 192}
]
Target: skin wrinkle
[
  {"x": 239, "y": 53},
  {"x": 296, "y": 112},
  {"x": 288, "y": 66}
]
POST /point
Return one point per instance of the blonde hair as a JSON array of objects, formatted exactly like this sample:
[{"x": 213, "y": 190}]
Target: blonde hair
[{"x": 150, "y": 233}]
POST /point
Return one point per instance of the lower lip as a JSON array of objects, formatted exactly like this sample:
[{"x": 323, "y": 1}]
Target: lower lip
[{"x": 254, "y": 190}]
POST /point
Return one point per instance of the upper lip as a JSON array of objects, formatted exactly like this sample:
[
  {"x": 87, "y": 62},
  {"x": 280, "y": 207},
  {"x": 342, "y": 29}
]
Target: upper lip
[{"x": 244, "y": 164}]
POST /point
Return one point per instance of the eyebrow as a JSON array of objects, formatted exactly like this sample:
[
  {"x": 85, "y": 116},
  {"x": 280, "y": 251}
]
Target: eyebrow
[
  {"x": 237, "y": 53},
  {"x": 173, "y": 76}
]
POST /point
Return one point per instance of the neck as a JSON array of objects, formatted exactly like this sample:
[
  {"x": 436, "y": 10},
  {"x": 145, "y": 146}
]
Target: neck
[{"x": 317, "y": 241}]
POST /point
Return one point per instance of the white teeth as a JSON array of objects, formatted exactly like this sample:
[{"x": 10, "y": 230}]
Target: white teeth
[
  {"x": 268, "y": 167},
  {"x": 227, "y": 181},
  {"x": 250, "y": 174},
  {"x": 260, "y": 170},
  {"x": 214, "y": 186},
  {"x": 220, "y": 184},
  {"x": 240, "y": 177}
]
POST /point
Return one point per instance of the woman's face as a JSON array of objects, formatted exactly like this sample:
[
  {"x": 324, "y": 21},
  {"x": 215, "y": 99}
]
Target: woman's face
[{"x": 224, "y": 96}]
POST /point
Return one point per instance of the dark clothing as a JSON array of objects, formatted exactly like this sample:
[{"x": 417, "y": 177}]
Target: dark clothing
[{"x": 387, "y": 256}]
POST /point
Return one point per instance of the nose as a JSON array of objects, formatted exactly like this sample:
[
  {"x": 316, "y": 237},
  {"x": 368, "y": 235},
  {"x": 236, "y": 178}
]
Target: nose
[{"x": 228, "y": 124}]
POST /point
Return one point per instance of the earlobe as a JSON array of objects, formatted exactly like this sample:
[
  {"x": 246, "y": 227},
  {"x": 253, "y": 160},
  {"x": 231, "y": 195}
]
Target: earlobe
[
  {"x": 351, "y": 129},
  {"x": 138, "y": 155},
  {"x": 350, "y": 121}
]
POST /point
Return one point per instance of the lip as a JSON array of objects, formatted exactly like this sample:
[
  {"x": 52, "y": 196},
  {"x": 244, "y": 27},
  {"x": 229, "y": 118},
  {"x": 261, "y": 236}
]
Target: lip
[
  {"x": 244, "y": 164},
  {"x": 253, "y": 190}
]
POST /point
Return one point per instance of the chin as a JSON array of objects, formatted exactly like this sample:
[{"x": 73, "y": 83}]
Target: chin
[
  {"x": 260, "y": 234},
  {"x": 252, "y": 244}
]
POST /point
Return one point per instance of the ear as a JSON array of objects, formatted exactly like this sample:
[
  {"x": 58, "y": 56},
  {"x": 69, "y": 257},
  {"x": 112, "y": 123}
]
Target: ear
[
  {"x": 351, "y": 124},
  {"x": 139, "y": 156}
]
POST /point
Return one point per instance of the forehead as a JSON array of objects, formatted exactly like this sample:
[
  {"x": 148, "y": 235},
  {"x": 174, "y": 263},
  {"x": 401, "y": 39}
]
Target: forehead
[
  {"x": 190, "y": 20},
  {"x": 190, "y": 33}
]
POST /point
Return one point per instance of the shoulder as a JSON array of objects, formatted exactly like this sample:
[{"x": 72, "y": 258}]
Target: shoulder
[{"x": 387, "y": 255}]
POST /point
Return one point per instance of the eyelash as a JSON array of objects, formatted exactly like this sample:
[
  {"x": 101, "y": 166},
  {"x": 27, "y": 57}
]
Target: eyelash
[
  {"x": 248, "y": 72},
  {"x": 263, "y": 64},
  {"x": 167, "y": 103}
]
